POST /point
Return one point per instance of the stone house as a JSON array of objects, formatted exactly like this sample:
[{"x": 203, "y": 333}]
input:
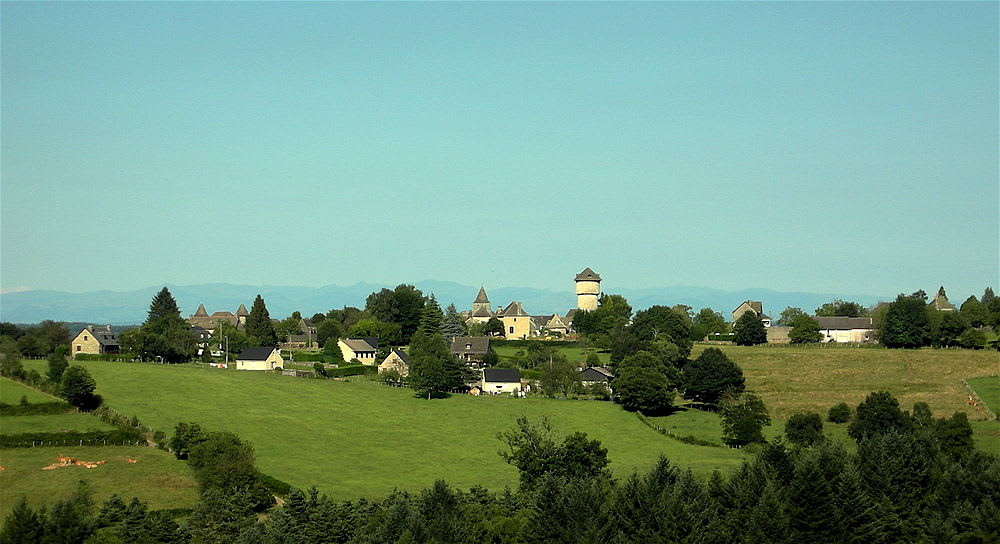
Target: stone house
[
  {"x": 210, "y": 322},
  {"x": 396, "y": 360},
  {"x": 755, "y": 306},
  {"x": 517, "y": 324},
  {"x": 94, "y": 340},
  {"x": 470, "y": 349}
]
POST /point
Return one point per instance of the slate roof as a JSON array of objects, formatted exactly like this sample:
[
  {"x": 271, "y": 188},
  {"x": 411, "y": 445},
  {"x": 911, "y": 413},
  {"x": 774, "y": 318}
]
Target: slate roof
[
  {"x": 471, "y": 345},
  {"x": 843, "y": 323},
  {"x": 401, "y": 354},
  {"x": 501, "y": 375},
  {"x": 242, "y": 311},
  {"x": 588, "y": 275},
  {"x": 201, "y": 311},
  {"x": 362, "y": 344},
  {"x": 482, "y": 312},
  {"x": 481, "y": 298},
  {"x": 103, "y": 335},
  {"x": 255, "y": 354},
  {"x": 596, "y": 374},
  {"x": 568, "y": 320},
  {"x": 755, "y": 305},
  {"x": 514, "y": 309},
  {"x": 540, "y": 320}
]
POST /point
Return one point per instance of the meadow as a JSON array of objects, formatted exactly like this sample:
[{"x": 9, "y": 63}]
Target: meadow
[
  {"x": 52, "y": 423},
  {"x": 353, "y": 439},
  {"x": 11, "y": 392},
  {"x": 156, "y": 477},
  {"x": 988, "y": 389}
]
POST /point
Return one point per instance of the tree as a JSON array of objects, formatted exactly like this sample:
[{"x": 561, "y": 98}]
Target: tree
[
  {"x": 78, "y": 388},
  {"x": 559, "y": 377},
  {"x": 227, "y": 337},
  {"x": 162, "y": 306},
  {"x": 804, "y": 429},
  {"x": 878, "y": 414},
  {"x": 494, "y": 327},
  {"x": 651, "y": 323},
  {"x": 23, "y": 524},
  {"x": 975, "y": 312},
  {"x": 327, "y": 329},
  {"x": 402, "y": 306},
  {"x": 258, "y": 325},
  {"x": 388, "y": 334},
  {"x": 224, "y": 462},
  {"x": 57, "y": 364},
  {"x": 290, "y": 326},
  {"x": 10, "y": 359},
  {"x": 186, "y": 436},
  {"x": 452, "y": 324},
  {"x": 749, "y": 330},
  {"x": 839, "y": 413},
  {"x": 972, "y": 339},
  {"x": 906, "y": 324},
  {"x": 332, "y": 351},
  {"x": 788, "y": 315},
  {"x": 433, "y": 368},
  {"x": 43, "y": 339},
  {"x": 536, "y": 451},
  {"x": 954, "y": 435},
  {"x": 708, "y": 321},
  {"x": 710, "y": 375},
  {"x": 950, "y": 326},
  {"x": 805, "y": 330},
  {"x": 643, "y": 389},
  {"x": 743, "y": 417},
  {"x": 840, "y": 308},
  {"x": 613, "y": 311},
  {"x": 431, "y": 316}
]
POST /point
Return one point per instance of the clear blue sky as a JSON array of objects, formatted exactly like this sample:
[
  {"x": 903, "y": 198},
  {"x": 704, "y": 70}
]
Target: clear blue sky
[{"x": 825, "y": 147}]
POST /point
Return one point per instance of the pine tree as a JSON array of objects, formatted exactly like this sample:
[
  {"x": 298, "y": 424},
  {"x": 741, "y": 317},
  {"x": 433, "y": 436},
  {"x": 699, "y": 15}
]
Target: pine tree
[
  {"x": 431, "y": 316},
  {"x": 452, "y": 325},
  {"x": 811, "y": 506},
  {"x": 163, "y": 305},
  {"x": 259, "y": 326},
  {"x": 768, "y": 520},
  {"x": 23, "y": 524}
]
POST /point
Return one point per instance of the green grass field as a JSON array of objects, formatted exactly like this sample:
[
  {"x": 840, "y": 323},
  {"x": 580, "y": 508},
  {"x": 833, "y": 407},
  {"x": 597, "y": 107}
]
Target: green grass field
[
  {"x": 11, "y": 392},
  {"x": 988, "y": 389},
  {"x": 52, "y": 423},
  {"x": 156, "y": 477},
  {"x": 354, "y": 439},
  {"x": 573, "y": 354}
]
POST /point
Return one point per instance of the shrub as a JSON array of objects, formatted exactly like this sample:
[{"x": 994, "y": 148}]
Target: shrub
[
  {"x": 839, "y": 413},
  {"x": 35, "y": 409},
  {"x": 78, "y": 388},
  {"x": 804, "y": 429}
]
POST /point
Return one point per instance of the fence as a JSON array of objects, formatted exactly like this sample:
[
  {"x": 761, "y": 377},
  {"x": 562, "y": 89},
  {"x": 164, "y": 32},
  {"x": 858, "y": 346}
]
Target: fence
[{"x": 685, "y": 439}]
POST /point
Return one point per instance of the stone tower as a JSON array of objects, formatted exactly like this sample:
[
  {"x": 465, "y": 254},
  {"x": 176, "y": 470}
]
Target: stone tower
[
  {"x": 481, "y": 302},
  {"x": 588, "y": 288}
]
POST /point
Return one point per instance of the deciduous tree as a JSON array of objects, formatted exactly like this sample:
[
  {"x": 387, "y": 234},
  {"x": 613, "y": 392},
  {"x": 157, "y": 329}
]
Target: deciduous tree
[
  {"x": 743, "y": 417},
  {"x": 643, "y": 389},
  {"x": 78, "y": 388},
  {"x": 804, "y": 428},
  {"x": 710, "y": 375},
  {"x": 805, "y": 330},
  {"x": 906, "y": 324},
  {"x": 788, "y": 315},
  {"x": 749, "y": 330},
  {"x": 878, "y": 414}
]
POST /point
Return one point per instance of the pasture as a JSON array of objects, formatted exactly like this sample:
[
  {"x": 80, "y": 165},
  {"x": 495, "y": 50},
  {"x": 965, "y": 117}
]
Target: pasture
[
  {"x": 156, "y": 477},
  {"x": 353, "y": 439},
  {"x": 52, "y": 423},
  {"x": 988, "y": 389},
  {"x": 11, "y": 392}
]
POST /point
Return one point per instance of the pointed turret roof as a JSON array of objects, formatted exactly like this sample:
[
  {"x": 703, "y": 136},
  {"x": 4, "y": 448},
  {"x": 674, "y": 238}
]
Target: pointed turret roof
[
  {"x": 242, "y": 310},
  {"x": 481, "y": 298},
  {"x": 588, "y": 275},
  {"x": 201, "y": 311}
]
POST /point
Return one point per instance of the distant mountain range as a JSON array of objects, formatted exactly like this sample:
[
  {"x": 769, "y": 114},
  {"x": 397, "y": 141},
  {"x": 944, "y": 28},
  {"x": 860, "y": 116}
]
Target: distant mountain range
[{"x": 130, "y": 307}]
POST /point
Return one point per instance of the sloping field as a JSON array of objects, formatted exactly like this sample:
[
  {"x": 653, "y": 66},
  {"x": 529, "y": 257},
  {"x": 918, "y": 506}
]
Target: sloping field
[
  {"x": 52, "y": 423},
  {"x": 11, "y": 393},
  {"x": 361, "y": 439},
  {"x": 988, "y": 389},
  {"x": 156, "y": 477},
  {"x": 814, "y": 378}
]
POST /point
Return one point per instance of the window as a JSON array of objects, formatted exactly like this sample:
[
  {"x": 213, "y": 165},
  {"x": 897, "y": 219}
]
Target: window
[
  {"x": 85, "y": 338},
  {"x": 512, "y": 330},
  {"x": 78, "y": 346}
]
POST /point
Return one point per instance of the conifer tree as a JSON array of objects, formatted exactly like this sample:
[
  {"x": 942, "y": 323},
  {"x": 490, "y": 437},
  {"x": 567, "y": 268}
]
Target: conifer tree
[
  {"x": 259, "y": 326},
  {"x": 23, "y": 524},
  {"x": 452, "y": 325},
  {"x": 768, "y": 523},
  {"x": 163, "y": 305},
  {"x": 431, "y": 316},
  {"x": 811, "y": 507}
]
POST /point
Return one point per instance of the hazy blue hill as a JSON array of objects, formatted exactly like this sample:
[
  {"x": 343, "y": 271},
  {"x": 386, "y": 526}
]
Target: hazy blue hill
[{"x": 129, "y": 307}]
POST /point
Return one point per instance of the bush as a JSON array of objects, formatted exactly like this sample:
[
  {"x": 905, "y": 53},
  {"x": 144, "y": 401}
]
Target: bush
[
  {"x": 839, "y": 413},
  {"x": 804, "y": 429},
  {"x": 36, "y": 409},
  {"x": 78, "y": 388},
  {"x": 351, "y": 370},
  {"x": 972, "y": 339},
  {"x": 71, "y": 438}
]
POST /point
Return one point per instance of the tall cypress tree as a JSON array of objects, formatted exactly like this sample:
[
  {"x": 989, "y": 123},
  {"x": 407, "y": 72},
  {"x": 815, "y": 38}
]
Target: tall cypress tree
[
  {"x": 259, "y": 324},
  {"x": 163, "y": 305}
]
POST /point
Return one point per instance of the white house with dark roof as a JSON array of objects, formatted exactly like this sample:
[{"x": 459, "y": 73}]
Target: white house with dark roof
[
  {"x": 501, "y": 380},
  {"x": 362, "y": 349},
  {"x": 846, "y": 329},
  {"x": 259, "y": 358}
]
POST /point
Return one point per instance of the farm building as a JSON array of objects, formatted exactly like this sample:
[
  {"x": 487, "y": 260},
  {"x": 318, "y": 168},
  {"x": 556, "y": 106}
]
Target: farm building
[
  {"x": 259, "y": 358},
  {"x": 470, "y": 349},
  {"x": 846, "y": 329}
]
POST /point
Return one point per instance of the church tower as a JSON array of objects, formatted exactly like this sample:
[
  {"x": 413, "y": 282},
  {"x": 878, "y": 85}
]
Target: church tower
[
  {"x": 588, "y": 289},
  {"x": 481, "y": 302}
]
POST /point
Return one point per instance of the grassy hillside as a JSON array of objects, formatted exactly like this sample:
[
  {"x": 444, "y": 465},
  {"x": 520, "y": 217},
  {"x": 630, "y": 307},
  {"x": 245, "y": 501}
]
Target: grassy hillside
[
  {"x": 52, "y": 423},
  {"x": 988, "y": 389},
  {"x": 156, "y": 477},
  {"x": 814, "y": 378},
  {"x": 353, "y": 439},
  {"x": 11, "y": 392}
]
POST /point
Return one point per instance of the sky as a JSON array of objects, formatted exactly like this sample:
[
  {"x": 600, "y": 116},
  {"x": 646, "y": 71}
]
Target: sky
[{"x": 819, "y": 147}]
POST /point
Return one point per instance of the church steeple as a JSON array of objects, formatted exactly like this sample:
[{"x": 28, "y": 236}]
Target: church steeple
[{"x": 482, "y": 301}]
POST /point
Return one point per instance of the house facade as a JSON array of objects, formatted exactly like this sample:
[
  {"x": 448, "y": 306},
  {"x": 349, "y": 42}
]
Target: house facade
[
  {"x": 755, "y": 306},
  {"x": 396, "y": 360},
  {"x": 470, "y": 349},
  {"x": 846, "y": 329},
  {"x": 362, "y": 349},
  {"x": 517, "y": 324},
  {"x": 259, "y": 358},
  {"x": 501, "y": 380},
  {"x": 94, "y": 340}
]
